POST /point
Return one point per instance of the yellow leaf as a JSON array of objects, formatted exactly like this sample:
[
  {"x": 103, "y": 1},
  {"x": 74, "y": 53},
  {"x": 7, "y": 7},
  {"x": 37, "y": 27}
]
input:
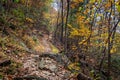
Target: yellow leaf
[
  {"x": 54, "y": 49},
  {"x": 113, "y": 50},
  {"x": 118, "y": 6},
  {"x": 92, "y": 1},
  {"x": 29, "y": 20},
  {"x": 74, "y": 66}
]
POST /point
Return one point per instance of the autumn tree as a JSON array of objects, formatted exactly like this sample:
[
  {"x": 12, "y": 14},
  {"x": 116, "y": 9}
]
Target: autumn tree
[{"x": 92, "y": 29}]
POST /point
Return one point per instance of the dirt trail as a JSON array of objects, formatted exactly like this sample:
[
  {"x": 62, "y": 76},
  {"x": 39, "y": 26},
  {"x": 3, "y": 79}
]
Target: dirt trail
[
  {"x": 46, "y": 67},
  {"x": 46, "y": 44}
]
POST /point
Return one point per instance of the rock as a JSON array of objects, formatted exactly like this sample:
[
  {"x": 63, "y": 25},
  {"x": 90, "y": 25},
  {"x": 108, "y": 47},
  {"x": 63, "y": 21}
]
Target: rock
[
  {"x": 53, "y": 68},
  {"x": 47, "y": 63},
  {"x": 54, "y": 64},
  {"x": 49, "y": 66},
  {"x": 41, "y": 64},
  {"x": 59, "y": 58}
]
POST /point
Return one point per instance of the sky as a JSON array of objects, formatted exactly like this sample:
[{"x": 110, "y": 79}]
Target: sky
[{"x": 55, "y": 6}]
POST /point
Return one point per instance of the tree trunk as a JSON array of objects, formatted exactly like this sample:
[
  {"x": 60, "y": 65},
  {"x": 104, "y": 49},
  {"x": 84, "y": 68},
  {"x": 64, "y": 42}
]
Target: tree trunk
[
  {"x": 62, "y": 18},
  {"x": 66, "y": 29}
]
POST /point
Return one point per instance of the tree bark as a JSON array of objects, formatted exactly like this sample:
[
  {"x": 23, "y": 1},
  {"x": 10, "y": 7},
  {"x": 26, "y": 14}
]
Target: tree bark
[
  {"x": 66, "y": 29},
  {"x": 62, "y": 18},
  {"x": 109, "y": 46}
]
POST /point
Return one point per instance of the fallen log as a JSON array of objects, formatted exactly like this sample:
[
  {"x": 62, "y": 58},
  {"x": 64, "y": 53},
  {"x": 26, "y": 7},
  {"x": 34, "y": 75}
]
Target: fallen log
[
  {"x": 82, "y": 76},
  {"x": 4, "y": 63}
]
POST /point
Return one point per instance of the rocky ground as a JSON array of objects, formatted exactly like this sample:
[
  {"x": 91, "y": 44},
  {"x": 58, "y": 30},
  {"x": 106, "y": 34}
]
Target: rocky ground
[{"x": 44, "y": 66}]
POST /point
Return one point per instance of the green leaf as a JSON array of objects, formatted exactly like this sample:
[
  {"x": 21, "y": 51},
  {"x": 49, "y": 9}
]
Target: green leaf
[{"x": 80, "y": 8}]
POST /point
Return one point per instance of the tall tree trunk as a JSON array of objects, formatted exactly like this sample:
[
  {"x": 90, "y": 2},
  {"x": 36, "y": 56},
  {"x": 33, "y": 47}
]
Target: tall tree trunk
[
  {"x": 62, "y": 18},
  {"x": 109, "y": 45},
  {"x": 66, "y": 29},
  {"x": 57, "y": 26}
]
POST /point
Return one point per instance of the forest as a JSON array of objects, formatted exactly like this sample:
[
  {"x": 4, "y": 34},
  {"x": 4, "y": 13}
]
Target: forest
[{"x": 59, "y": 39}]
